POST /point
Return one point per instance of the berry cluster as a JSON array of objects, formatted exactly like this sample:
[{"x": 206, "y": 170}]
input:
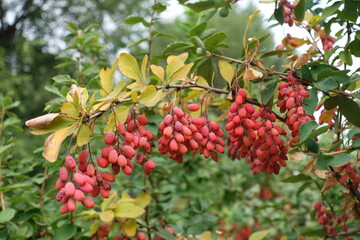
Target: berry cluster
[
  {"x": 289, "y": 41},
  {"x": 101, "y": 234},
  {"x": 254, "y": 135},
  {"x": 289, "y": 12},
  {"x": 136, "y": 137},
  {"x": 329, "y": 222},
  {"x": 179, "y": 135},
  {"x": 349, "y": 172},
  {"x": 327, "y": 41},
  {"x": 291, "y": 96},
  {"x": 209, "y": 136},
  {"x": 73, "y": 185}
]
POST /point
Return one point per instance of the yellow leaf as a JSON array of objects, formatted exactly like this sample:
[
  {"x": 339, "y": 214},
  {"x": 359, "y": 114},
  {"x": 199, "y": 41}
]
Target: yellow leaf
[
  {"x": 181, "y": 73},
  {"x": 109, "y": 201},
  {"x": 327, "y": 115},
  {"x": 121, "y": 113},
  {"x": 204, "y": 236},
  {"x": 248, "y": 23},
  {"x": 202, "y": 81},
  {"x": 129, "y": 67},
  {"x": 94, "y": 227},
  {"x": 150, "y": 96},
  {"x": 143, "y": 66},
  {"x": 126, "y": 198},
  {"x": 130, "y": 227},
  {"x": 107, "y": 77},
  {"x": 107, "y": 216},
  {"x": 143, "y": 200},
  {"x": 251, "y": 74},
  {"x": 128, "y": 210},
  {"x": 158, "y": 71},
  {"x": 259, "y": 235},
  {"x": 69, "y": 109},
  {"x": 134, "y": 96},
  {"x": 175, "y": 63},
  {"x": 83, "y": 136},
  {"x": 134, "y": 86},
  {"x": 283, "y": 238},
  {"x": 49, "y": 123},
  {"x": 226, "y": 70},
  {"x": 115, "y": 92},
  {"x": 53, "y": 142}
]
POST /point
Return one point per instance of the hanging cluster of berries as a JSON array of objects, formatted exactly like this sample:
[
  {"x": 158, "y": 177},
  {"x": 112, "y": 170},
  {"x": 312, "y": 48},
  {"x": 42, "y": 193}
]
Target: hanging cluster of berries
[
  {"x": 73, "y": 184},
  {"x": 291, "y": 96},
  {"x": 327, "y": 41},
  {"x": 209, "y": 136},
  {"x": 136, "y": 137},
  {"x": 289, "y": 12},
  {"x": 181, "y": 134},
  {"x": 329, "y": 222},
  {"x": 139, "y": 138},
  {"x": 254, "y": 135},
  {"x": 349, "y": 172}
]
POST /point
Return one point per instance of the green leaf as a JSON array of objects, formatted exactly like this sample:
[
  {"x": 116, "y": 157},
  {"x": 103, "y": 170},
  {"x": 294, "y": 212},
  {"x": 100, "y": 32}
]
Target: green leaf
[
  {"x": 350, "y": 11},
  {"x": 6, "y": 215},
  {"x": 201, "y": 6},
  {"x": 130, "y": 227},
  {"x": 300, "y": 10},
  {"x": 65, "y": 232},
  {"x": 327, "y": 12},
  {"x": 328, "y": 72},
  {"x": 197, "y": 42},
  {"x": 352, "y": 133},
  {"x": 279, "y": 14},
  {"x": 275, "y": 52},
  {"x": 259, "y": 235},
  {"x": 302, "y": 188},
  {"x": 310, "y": 103},
  {"x": 332, "y": 102},
  {"x": 354, "y": 47},
  {"x": 296, "y": 178},
  {"x": 269, "y": 91},
  {"x": 356, "y": 143},
  {"x": 338, "y": 160},
  {"x": 312, "y": 145},
  {"x": 198, "y": 29},
  {"x": 306, "y": 129},
  {"x": 306, "y": 73},
  {"x": 319, "y": 131},
  {"x": 129, "y": 67},
  {"x": 94, "y": 227},
  {"x": 345, "y": 56},
  {"x": 313, "y": 233},
  {"x": 326, "y": 84},
  {"x": 65, "y": 79},
  {"x": 350, "y": 109},
  {"x": 227, "y": 71},
  {"x": 136, "y": 20},
  {"x": 175, "y": 46},
  {"x": 165, "y": 234},
  {"x": 6, "y": 147},
  {"x": 214, "y": 40},
  {"x": 54, "y": 90},
  {"x": 335, "y": 145}
]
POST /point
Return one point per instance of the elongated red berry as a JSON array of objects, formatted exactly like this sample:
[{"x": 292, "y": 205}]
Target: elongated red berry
[
  {"x": 70, "y": 162},
  {"x": 83, "y": 156},
  {"x": 88, "y": 203},
  {"x": 193, "y": 107},
  {"x": 109, "y": 138},
  {"x": 69, "y": 189}
]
